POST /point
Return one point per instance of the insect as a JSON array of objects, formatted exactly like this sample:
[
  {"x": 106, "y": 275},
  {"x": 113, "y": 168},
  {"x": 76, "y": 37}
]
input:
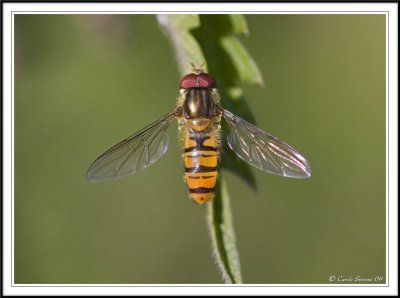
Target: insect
[{"x": 199, "y": 114}]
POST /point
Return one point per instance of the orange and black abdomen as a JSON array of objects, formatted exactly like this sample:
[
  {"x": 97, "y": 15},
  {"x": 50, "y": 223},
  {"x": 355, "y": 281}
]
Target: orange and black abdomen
[{"x": 201, "y": 162}]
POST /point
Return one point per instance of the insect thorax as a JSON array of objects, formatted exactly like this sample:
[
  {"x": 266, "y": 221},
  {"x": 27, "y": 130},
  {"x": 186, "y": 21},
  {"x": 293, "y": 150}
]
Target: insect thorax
[{"x": 198, "y": 107}]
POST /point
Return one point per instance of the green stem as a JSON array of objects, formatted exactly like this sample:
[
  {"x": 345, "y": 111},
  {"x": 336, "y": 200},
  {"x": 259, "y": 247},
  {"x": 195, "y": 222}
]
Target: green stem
[{"x": 220, "y": 225}]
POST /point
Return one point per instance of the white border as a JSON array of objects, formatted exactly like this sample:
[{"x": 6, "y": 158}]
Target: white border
[
  {"x": 247, "y": 289},
  {"x": 205, "y": 7}
]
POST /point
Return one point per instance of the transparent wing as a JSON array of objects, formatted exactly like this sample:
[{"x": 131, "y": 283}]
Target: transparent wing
[
  {"x": 133, "y": 154},
  {"x": 264, "y": 151}
]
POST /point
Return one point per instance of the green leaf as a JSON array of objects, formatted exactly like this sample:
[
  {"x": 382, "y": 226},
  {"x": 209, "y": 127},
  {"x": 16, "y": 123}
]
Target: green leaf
[
  {"x": 239, "y": 24},
  {"x": 212, "y": 39},
  {"x": 246, "y": 67},
  {"x": 177, "y": 27}
]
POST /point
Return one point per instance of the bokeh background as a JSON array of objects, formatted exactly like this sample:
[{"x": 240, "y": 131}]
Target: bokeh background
[{"x": 84, "y": 82}]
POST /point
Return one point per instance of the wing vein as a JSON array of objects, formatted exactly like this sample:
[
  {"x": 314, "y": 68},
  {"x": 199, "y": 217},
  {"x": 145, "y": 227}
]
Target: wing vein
[
  {"x": 126, "y": 157},
  {"x": 264, "y": 151}
]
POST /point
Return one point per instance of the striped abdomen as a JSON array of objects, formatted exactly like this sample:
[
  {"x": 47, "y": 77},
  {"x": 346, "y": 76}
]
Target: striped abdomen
[{"x": 201, "y": 161}]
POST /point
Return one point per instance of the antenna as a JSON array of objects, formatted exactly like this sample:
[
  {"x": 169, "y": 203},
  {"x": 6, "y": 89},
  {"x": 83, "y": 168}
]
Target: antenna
[{"x": 197, "y": 70}]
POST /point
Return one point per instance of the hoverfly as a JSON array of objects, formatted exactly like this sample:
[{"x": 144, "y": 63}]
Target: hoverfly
[{"x": 199, "y": 113}]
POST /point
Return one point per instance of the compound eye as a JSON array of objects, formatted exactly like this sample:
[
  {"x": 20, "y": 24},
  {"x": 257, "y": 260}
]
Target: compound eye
[
  {"x": 189, "y": 81},
  {"x": 202, "y": 80},
  {"x": 206, "y": 81}
]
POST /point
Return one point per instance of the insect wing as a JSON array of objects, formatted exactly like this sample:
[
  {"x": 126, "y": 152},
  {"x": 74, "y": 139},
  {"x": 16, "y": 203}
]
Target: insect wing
[
  {"x": 264, "y": 151},
  {"x": 133, "y": 154}
]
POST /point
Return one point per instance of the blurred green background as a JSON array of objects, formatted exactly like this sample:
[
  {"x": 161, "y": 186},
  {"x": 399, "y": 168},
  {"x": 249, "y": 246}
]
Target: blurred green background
[{"x": 84, "y": 82}]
